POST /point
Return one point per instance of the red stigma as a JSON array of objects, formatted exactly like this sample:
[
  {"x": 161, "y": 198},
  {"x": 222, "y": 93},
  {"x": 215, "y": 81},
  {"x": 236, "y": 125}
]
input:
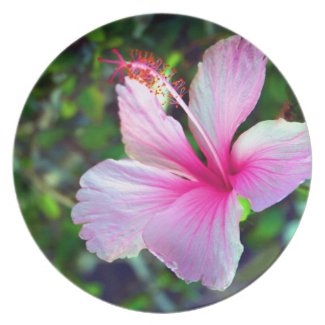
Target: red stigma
[{"x": 121, "y": 65}]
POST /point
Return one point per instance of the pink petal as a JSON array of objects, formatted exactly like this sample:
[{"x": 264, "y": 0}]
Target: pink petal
[
  {"x": 117, "y": 199},
  {"x": 270, "y": 160},
  {"x": 152, "y": 137},
  {"x": 224, "y": 92},
  {"x": 198, "y": 237}
]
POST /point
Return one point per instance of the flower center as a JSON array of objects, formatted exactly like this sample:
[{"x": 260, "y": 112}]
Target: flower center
[{"x": 157, "y": 77}]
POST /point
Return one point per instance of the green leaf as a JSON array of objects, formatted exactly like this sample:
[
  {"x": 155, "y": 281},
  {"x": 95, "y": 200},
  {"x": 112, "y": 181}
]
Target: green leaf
[
  {"x": 94, "y": 136},
  {"x": 273, "y": 95},
  {"x": 246, "y": 208},
  {"x": 164, "y": 280},
  {"x": 115, "y": 42},
  {"x": 94, "y": 288},
  {"x": 196, "y": 30},
  {"x": 269, "y": 224},
  {"x": 97, "y": 35},
  {"x": 48, "y": 138},
  {"x": 115, "y": 152},
  {"x": 140, "y": 302},
  {"x": 303, "y": 191},
  {"x": 68, "y": 85},
  {"x": 174, "y": 58},
  {"x": 68, "y": 109},
  {"x": 49, "y": 206},
  {"x": 92, "y": 101},
  {"x": 64, "y": 62}
]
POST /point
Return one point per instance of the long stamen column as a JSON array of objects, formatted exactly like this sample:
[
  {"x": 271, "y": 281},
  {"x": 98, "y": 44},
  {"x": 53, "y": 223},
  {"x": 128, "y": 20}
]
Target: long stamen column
[{"x": 157, "y": 77}]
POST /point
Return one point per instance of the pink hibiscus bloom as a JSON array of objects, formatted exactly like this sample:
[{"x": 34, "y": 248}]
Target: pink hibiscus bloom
[{"x": 164, "y": 198}]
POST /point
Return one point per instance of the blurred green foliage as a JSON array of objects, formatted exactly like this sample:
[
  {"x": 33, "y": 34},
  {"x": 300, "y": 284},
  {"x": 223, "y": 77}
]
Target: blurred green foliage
[{"x": 70, "y": 123}]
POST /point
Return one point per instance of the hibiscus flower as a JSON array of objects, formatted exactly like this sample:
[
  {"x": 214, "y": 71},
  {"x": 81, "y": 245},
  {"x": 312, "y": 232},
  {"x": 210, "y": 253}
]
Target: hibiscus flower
[{"x": 163, "y": 198}]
